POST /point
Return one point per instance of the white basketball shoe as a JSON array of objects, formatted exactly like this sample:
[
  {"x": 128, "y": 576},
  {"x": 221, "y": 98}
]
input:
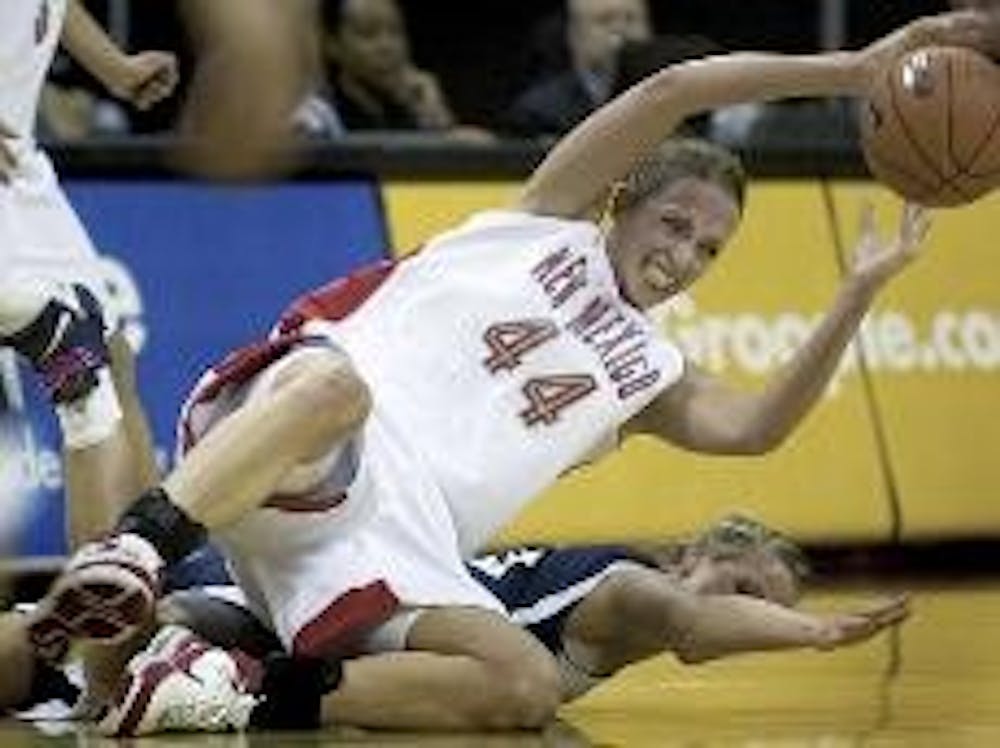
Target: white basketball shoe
[{"x": 181, "y": 683}]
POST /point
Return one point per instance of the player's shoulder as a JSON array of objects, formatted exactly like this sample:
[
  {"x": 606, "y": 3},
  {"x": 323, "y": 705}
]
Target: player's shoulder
[{"x": 510, "y": 221}]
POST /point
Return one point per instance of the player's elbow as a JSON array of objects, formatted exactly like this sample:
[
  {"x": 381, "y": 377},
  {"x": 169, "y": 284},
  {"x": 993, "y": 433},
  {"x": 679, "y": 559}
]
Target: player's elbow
[
  {"x": 692, "y": 653},
  {"x": 756, "y": 441},
  {"x": 751, "y": 430}
]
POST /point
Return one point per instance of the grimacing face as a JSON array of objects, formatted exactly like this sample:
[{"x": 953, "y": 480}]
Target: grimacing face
[
  {"x": 666, "y": 242},
  {"x": 757, "y": 572},
  {"x": 371, "y": 43}
]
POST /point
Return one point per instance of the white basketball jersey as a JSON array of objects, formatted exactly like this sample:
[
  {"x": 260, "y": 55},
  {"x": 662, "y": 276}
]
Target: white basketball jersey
[
  {"x": 505, "y": 354},
  {"x": 29, "y": 34}
]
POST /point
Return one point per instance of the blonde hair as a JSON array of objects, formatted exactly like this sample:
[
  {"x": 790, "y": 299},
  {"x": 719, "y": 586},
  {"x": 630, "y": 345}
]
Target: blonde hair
[
  {"x": 676, "y": 159},
  {"x": 738, "y": 534},
  {"x": 732, "y": 537}
]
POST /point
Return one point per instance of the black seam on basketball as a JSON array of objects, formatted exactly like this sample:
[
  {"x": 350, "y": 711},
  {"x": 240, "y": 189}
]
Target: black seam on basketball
[
  {"x": 949, "y": 122},
  {"x": 991, "y": 131},
  {"x": 957, "y": 187},
  {"x": 890, "y": 165},
  {"x": 905, "y": 129},
  {"x": 991, "y": 174}
]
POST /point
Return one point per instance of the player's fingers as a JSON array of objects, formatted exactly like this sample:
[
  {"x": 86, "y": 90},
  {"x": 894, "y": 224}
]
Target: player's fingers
[
  {"x": 154, "y": 92},
  {"x": 7, "y": 162},
  {"x": 915, "y": 222},
  {"x": 890, "y": 611},
  {"x": 169, "y": 74},
  {"x": 155, "y": 89}
]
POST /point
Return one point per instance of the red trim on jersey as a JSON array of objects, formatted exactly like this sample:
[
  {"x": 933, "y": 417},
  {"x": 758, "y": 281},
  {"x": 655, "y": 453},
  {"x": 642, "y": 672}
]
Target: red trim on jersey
[
  {"x": 243, "y": 364},
  {"x": 238, "y": 367},
  {"x": 344, "y": 621},
  {"x": 334, "y": 301},
  {"x": 338, "y": 298},
  {"x": 312, "y": 504}
]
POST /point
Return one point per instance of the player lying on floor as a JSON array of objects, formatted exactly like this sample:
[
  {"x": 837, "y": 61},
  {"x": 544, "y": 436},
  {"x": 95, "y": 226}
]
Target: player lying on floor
[
  {"x": 415, "y": 409},
  {"x": 598, "y": 609}
]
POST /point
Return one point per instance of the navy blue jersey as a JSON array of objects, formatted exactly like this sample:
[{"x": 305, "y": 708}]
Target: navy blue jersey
[
  {"x": 206, "y": 567},
  {"x": 540, "y": 587}
]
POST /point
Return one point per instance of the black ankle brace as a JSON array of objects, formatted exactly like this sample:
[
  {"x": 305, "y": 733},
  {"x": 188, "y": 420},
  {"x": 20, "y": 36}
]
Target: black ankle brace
[
  {"x": 292, "y": 691},
  {"x": 33, "y": 340},
  {"x": 164, "y": 524}
]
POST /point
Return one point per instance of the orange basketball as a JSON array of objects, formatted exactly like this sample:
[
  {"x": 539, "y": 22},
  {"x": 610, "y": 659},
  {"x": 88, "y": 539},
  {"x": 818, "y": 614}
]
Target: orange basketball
[{"x": 931, "y": 126}]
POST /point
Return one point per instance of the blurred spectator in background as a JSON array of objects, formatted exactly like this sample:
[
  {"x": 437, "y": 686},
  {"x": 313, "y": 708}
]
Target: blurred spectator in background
[
  {"x": 595, "y": 31},
  {"x": 373, "y": 83}
]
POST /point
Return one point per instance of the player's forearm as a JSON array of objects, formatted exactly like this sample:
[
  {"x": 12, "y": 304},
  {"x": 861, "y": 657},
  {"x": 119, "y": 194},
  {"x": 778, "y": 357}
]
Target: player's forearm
[
  {"x": 730, "y": 624},
  {"x": 602, "y": 150},
  {"x": 798, "y": 385},
  {"x": 90, "y": 45},
  {"x": 701, "y": 85}
]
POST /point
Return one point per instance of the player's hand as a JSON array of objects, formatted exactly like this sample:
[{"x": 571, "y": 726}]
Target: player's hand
[
  {"x": 420, "y": 92},
  {"x": 843, "y": 629},
  {"x": 977, "y": 29},
  {"x": 146, "y": 79},
  {"x": 876, "y": 261}
]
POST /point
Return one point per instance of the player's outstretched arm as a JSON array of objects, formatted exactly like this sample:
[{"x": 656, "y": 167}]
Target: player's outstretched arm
[
  {"x": 142, "y": 79},
  {"x": 704, "y": 414},
  {"x": 574, "y": 180},
  {"x": 723, "y": 625}
]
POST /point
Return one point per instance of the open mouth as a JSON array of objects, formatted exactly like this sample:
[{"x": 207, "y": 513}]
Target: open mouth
[{"x": 658, "y": 272}]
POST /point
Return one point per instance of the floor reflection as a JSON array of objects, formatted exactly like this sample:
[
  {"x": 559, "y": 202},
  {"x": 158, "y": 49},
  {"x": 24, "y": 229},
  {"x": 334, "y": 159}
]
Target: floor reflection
[{"x": 933, "y": 682}]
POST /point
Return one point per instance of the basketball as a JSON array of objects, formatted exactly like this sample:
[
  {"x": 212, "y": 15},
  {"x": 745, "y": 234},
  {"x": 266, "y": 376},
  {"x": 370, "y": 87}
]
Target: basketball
[{"x": 930, "y": 126}]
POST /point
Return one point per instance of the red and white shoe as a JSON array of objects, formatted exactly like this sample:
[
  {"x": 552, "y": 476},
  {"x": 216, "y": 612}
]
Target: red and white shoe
[
  {"x": 107, "y": 592},
  {"x": 181, "y": 683}
]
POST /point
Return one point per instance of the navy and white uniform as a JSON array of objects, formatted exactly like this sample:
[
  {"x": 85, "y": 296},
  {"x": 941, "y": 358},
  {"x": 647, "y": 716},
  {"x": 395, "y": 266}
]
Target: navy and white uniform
[{"x": 538, "y": 586}]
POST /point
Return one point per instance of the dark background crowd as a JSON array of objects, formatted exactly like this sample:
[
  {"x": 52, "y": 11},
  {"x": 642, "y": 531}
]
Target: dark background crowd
[{"x": 493, "y": 68}]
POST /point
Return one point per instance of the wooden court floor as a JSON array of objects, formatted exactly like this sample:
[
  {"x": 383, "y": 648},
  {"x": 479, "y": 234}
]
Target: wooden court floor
[{"x": 934, "y": 682}]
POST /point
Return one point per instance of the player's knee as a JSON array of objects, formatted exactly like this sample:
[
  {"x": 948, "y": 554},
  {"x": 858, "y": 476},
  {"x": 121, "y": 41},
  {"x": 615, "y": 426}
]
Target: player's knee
[
  {"x": 331, "y": 386},
  {"x": 527, "y": 697}
]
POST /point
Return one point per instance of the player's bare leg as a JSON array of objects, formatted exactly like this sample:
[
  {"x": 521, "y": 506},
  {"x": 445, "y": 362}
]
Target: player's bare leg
[
  {"x": 102, "y": 477},
  {"x": 60, "y": 330},
  {"x": 464, "y": 669},
  {"x": 249, "y": 79},
  {"x": 241, "y": 461},
  {"x": 309, "y": 408}
]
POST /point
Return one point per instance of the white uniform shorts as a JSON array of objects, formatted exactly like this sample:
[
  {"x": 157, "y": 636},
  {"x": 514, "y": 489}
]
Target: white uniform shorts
[
  {"x": 331, "y": 567},
  {"x": 41, "y": 237}
]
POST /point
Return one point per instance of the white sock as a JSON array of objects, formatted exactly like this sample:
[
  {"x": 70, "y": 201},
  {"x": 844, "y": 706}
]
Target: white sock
[
  {"x": 92, "y": 418},
  {"x": 20, "y": 303}
]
